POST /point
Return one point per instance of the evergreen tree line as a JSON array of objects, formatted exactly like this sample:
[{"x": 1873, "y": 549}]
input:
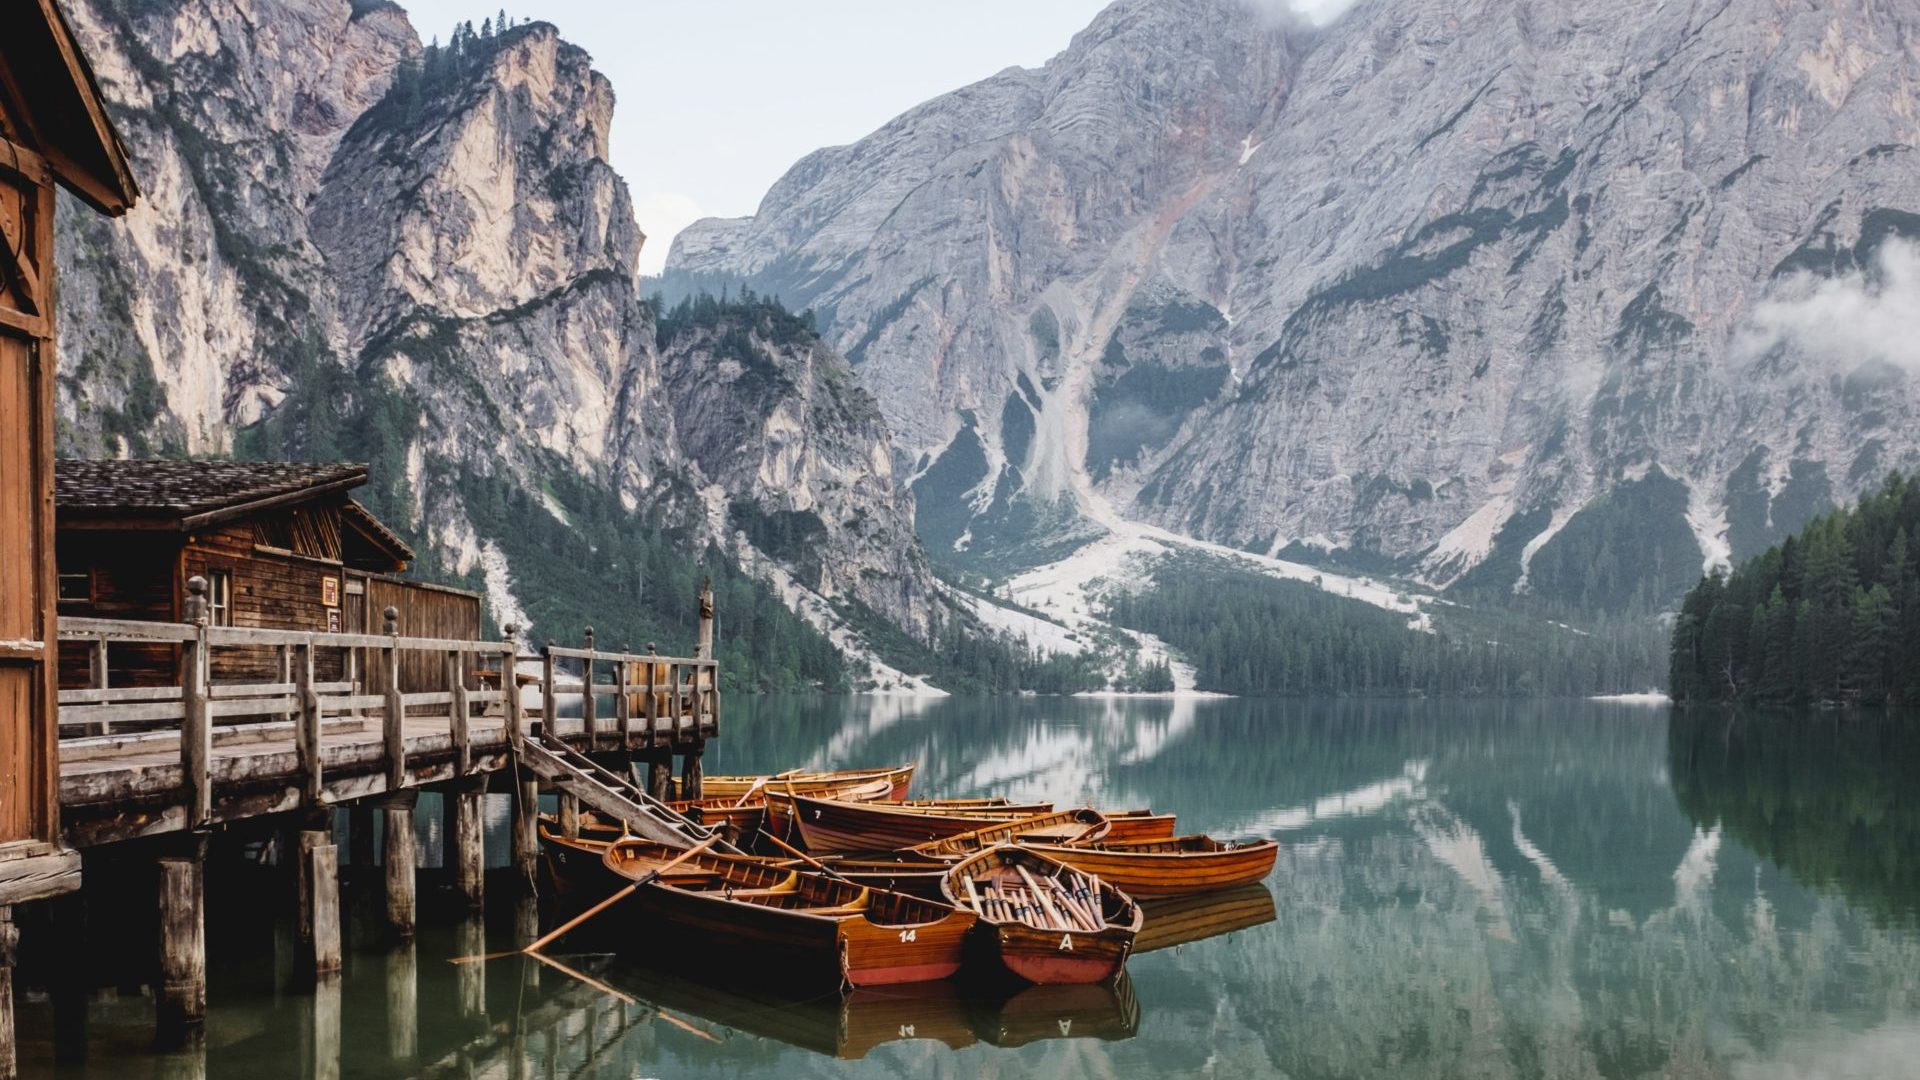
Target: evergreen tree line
[
  {"x": 1249, "y": 634},
  {"x": 418, "y": 80},
  {"x": 1830, "y": 614}
]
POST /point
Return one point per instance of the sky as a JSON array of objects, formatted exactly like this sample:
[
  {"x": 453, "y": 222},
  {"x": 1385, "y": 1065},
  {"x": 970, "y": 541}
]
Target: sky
[{"x": 717, "y": 98}]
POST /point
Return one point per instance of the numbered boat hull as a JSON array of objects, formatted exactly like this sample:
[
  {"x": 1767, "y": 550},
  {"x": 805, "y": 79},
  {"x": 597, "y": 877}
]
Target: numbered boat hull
[{"x": 806, "y": 926}]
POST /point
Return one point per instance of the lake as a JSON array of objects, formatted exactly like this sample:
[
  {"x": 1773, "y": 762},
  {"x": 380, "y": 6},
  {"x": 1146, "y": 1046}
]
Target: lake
[{"x": 1465, "y": 890}]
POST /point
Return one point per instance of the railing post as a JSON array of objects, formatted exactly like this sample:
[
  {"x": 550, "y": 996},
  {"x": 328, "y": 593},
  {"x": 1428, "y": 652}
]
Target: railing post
[
  {"x": 307, "y": 723},
  {"x": 652, "y": 709},
  {"x": 622, "y": 704},
  {"x": 588, "y": 709},
  {"x": 510, "y": 686},
  {"x": 546, "y": 692},
  {"x": 458, "y": 713},
  {"x": 396, "y": 719},
  {"x": 196, "y": 726},
  {"x": 675, "y": 712},
  {"x": 97, "y": 670}
]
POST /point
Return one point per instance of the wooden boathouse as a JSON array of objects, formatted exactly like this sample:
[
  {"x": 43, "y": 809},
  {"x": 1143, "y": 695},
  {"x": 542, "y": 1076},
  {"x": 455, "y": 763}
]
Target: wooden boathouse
[
  {"x": 54, "y": 129},
  {"x": 281, "y": 545},
  {"x": 209, "y": 693}
]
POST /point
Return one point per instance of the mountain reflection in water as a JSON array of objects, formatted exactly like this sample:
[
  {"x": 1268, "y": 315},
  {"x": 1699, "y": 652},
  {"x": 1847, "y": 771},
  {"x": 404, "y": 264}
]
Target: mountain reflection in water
[{"x": 1464, "y": 890}]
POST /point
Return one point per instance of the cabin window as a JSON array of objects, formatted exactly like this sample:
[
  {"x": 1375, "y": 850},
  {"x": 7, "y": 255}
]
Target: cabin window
[
  {"x": 220, "y": 597},
  {"x": 77, "y": 586}
]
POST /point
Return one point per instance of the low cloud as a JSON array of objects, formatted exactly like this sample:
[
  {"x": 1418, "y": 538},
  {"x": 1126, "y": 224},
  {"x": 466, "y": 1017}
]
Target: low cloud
[
  {"x": 1844, "y": 321},
  {"x": 1317, "y": 12}
]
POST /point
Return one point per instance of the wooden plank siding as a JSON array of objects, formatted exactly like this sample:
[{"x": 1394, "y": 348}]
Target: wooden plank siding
[
  {"x": 28, "y": 733},
  {"x": 272, "y": 589},
  {"x": 426, "y": 611}
]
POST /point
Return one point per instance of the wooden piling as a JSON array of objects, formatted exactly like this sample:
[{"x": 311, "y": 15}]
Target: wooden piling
[
  {"x": 402, "y": 858},
  {"x": 9, "y": 939},
  {"x": 693, "y": 770},
  {"x": 660, "y": 772},
  {"x": 569, "y": 814},
  {"x": 180, "y": 1004},
  {"x": 466, "y": 850},
  {"x": 320, "y": 904},
  {"x": 526, "y": 829}
]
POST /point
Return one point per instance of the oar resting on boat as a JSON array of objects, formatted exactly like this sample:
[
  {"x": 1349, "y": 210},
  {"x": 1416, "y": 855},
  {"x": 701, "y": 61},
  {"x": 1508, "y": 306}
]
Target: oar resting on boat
[
  {"x": 804, "y": 926},
  {"x": 1045, "y": 922}
]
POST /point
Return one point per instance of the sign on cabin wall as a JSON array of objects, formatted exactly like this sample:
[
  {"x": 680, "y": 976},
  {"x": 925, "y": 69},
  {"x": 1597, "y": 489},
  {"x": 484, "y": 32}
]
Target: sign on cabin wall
[
  {"x": 333, "y": 620},
  {"x": 330, "y": 596}
]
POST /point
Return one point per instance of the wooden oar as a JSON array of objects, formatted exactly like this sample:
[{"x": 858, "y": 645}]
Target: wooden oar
[
  {"x": 973, "y": 898},
  {"x": 808, "y": 859},
  {"x": 758, "y": 783},
  {"x": 1040, "y": 897},
  {"x": 649, "y": 878}
]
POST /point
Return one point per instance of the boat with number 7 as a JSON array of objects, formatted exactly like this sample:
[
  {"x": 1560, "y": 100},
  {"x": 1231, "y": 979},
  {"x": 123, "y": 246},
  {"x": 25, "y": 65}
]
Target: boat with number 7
[
  {"x": 1180, "y": 866},
  {"x": 832, "y": 784},
  {"x": 1045, "y": 922},
  {"x": 810, "y": 927}
]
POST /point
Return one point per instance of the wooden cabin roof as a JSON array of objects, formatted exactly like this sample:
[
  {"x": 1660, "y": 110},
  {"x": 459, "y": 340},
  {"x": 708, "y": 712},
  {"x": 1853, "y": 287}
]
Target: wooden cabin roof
[
  {"x": 48, "y": 89},
  {"x": 189, "y": 494}
]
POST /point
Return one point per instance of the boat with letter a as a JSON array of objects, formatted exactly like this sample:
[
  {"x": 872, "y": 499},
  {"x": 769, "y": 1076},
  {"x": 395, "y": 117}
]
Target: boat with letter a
[{"x": 1045, "y": 922}]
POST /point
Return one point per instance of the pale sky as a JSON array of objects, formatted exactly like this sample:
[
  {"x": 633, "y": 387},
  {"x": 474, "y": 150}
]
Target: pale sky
[{"x": 717, "y": 98}]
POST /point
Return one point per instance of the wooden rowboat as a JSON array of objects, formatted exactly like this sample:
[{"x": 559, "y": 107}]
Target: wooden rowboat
[
  {"x": 1060, "y": 827},
  {"x": 577, "y": 864},
  {"x": 823, "y": 784},
  {"x": 1139, "y": 825},
  {"x": 1176, "y": 867},
  {"x": 1045, "y": 922},
  {"x": 832, "y": 825},
  {"x": 802, "y": 926}
]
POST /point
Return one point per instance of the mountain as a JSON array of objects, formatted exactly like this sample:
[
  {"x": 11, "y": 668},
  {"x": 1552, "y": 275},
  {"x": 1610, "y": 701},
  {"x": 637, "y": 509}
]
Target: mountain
[
  {"x": 1551, "y": 297},
  {"x": 354, "y": 247}
]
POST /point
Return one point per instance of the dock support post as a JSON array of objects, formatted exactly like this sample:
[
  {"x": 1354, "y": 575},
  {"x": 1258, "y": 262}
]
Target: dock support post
[
  {"x": 466, "y": 840},
  {"x": 319, "y": 930},
  {"x": 660, "y": 772},
  {"x": 181, "y": 1003},
  {"x": 569, "y": 814},
  {"x": 526, "y": 828},
  {"x": 402, "y": 857},
  {"x": 693, "y": 771},
  {"x": 9, "y": 938},
  {"x": 403, "y": 1003}
]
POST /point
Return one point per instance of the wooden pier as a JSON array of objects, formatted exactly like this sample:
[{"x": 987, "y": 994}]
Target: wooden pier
[{"x": 166, "y": 769}]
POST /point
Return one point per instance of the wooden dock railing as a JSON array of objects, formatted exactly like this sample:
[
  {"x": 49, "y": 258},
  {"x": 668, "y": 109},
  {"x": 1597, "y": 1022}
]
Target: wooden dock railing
[{"x": 657, "y": 701}]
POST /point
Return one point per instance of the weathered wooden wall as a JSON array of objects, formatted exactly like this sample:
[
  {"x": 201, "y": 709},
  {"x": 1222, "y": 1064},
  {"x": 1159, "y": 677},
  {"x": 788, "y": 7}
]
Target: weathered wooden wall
[
  {"x": 27, "y": 618},
  {"x": 427, "y": 611}
]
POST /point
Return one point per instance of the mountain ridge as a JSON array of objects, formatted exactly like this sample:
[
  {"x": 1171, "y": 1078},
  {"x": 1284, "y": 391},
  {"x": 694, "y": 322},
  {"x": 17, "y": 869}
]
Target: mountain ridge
[{"x": 1440, "y": 290}]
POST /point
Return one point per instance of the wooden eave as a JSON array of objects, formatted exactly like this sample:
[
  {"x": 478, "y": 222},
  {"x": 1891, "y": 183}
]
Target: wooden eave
[
  {"x": 106, "y": 519},
  {"x": 53, "y": 93}
]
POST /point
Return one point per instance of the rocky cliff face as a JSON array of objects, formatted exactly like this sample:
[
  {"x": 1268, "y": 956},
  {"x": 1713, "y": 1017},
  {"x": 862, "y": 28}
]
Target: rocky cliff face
[
  {"x": 1485, "y": 292},
  {"x": 356, "y": 248}
]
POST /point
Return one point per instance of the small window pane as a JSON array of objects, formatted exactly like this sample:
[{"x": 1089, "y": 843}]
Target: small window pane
[{"x": 76, "y": 586}]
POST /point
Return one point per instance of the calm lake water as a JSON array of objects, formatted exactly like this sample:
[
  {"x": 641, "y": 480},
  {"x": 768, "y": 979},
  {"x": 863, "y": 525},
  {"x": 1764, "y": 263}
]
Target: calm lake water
[{"x": 1465, "y": 890}]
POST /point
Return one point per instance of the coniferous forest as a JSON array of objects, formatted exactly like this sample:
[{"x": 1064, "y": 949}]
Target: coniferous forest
[
  {"x": 1830, "y": 615},
  {"x": 1248, "y": 634}
]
